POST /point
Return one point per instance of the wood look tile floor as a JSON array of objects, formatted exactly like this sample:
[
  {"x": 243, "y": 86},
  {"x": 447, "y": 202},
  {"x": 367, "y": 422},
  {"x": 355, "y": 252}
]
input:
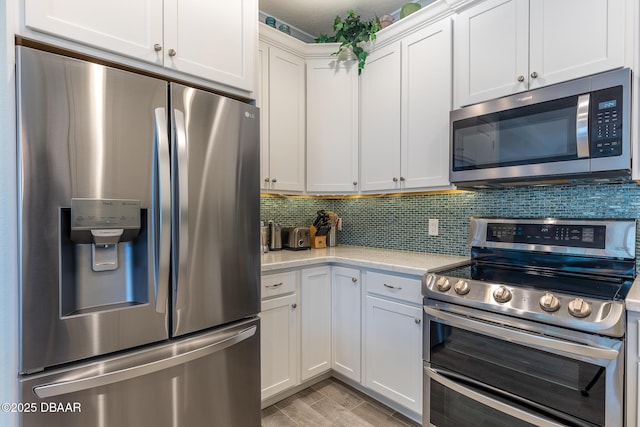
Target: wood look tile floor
[{"x": 332, "y": 403}]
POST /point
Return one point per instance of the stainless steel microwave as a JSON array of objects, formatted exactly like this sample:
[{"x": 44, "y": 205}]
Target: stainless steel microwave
[{"x": 565, "y": 132}]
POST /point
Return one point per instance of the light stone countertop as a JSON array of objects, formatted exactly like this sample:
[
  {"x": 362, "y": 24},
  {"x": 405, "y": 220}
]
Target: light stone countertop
[
  {"x": 404, "y": 262},
  {"x": 632, "y": 302}
]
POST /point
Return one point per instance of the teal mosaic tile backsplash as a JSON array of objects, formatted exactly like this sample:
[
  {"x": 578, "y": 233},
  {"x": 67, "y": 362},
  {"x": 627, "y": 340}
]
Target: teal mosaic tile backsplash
[{"x": 400, "y": 222}]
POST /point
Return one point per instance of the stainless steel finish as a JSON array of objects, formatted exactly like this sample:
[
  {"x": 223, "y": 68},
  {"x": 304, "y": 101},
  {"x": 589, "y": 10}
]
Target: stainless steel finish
[
  {"x": 502, "y": 294},
  {"x": 499, "y": 405},
  {"x": 275, "y": 236},
  {"x": 62, "y": 105},
  {"x": 180, "y": 206},
  {"x": 520, "y": 78},
  {"x": 161, "y": 216},
  {"x": 549, "y": 302},
  {"x": 172, "y": 52},
  {"x": 184, "y": 385},
  {"x": 534, "y": 75},
  {"x": 220, "y": 278},
  {"x": 443, "y": 284},
  {"x": 180, "y": 354},
  {"x": 620, "y": 243},
  {"x": 579, "y": 308},
  {"x": 593, "y": 354},
  {"x": 462, "y": 287},
  {"x": 157, "y": 47},
  {"x": 392, "y": 287},
  {"x": 562, "y": 169},
  {"x": 582, "y": 126}
]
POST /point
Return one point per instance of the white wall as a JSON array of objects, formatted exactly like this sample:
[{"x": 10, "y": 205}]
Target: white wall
[{"x": 8, "y": 215}]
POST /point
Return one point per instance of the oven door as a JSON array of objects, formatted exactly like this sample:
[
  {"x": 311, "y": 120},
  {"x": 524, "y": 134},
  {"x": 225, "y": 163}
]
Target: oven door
[{"x": 485, "y": 369}]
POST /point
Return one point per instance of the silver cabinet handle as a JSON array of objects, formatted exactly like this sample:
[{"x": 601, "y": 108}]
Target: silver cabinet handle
[
  {"x": 172, "y": 52},
  {"x": 521, "y": 78},
  {"x": 418, "y": 321},
  {"x": 488, "y": 401},
  {"x": 395, "y": 179},
  {"x": 274, "y": 180},
  {"x": 402, "y": 179},
  {"x": 294, "y": 305},
  {"x": 181, "y": 217},
  {"x": 582, "y": 126},
  {"x": 157, "y": 47},
  {"x": 355, "y": 182},
  {"x": 182, "y": 354},
  {"x": 354, "y": 279},
  {"x": 266, "y": 179},
  {"x": 534, "y": 75},
  {"x": 392, "y": 287},
  {"x": 277, "y": 285},
  {"x": 161, "y": 225}
]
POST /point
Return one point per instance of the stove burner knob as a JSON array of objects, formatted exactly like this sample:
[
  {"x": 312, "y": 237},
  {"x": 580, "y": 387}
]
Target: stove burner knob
[
  {"x": 502, "y": 294},
  {"x": 443, "y": 284},
  {"x": 579, "y": 308},
  {"x": 430, "y": 280},
  {"x": 461, "y": 287},
  {"x": 549, "y": 302}
]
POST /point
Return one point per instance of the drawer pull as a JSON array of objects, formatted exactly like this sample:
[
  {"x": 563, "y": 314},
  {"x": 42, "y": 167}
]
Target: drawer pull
[
  {"x": 294, "y": 305},
  {"x": 277, "y": 285},
  {"x": 354, "y": 279},
  {"x": 417, "y": 321},
  {"x": 392, "y": 287}
]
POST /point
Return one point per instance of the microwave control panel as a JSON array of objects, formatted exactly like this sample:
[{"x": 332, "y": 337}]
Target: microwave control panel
[{"x": 606, "y": 122}]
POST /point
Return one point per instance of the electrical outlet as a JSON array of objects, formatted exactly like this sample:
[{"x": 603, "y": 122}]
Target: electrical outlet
[{"x": 433, "y": 227}]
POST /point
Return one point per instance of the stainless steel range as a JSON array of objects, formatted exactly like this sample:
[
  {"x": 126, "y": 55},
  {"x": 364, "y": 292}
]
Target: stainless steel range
[{"x": 531, "y": 331}]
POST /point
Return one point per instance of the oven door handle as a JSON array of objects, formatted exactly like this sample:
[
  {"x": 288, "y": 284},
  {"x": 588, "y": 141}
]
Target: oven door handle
[
  {"x": 538, "y": 420},
  {"x": 539, "y": 342}
]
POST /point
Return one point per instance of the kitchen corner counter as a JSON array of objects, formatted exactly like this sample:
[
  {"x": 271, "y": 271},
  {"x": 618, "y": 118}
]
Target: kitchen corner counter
[{"x": 404, "y": 262}]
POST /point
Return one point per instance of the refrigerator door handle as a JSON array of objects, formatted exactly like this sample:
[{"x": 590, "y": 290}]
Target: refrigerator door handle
[
  {"x": 181, "y": 235},
  {"x": 179, "y": 357},
  {"x": 161, "y": 210}
]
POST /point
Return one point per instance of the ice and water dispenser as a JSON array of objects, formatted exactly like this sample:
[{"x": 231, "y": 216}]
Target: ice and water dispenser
[{"x": 104, "y": 255}]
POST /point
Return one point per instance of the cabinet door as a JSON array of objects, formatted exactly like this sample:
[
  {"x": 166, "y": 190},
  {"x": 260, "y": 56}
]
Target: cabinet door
[
  {"x": 345, "y": 319},
  {"x": 315, "y": 322},
  {"x": 380, "y": 120},
  {"x": 491, "y": 50},
  {"x": 121, "y": 26},
  {"x": 278, "y": 345},
  {"x": 332, "y": 126},
  {"x": 393, "y": 351},
  {"x": 575, "y": 38},
  {"x": 214, "y": 40},
  {"x": 262, "y": 102},
  {"x": 426, "y": 102},
  {"x": 286, "y": 120}
]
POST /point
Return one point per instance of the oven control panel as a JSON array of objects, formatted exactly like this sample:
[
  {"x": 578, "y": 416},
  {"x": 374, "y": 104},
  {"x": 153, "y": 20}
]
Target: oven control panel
[{"x": 578, "y": 236}]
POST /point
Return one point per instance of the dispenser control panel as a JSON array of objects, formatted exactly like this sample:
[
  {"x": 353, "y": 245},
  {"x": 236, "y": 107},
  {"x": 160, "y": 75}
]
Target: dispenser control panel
[{"x": 91, "y": 214}]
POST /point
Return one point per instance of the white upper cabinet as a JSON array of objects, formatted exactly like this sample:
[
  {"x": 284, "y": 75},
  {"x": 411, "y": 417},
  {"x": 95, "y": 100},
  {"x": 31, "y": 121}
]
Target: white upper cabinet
[
  {"x": 380, "y": 120},
  {"x": 215, "y": 41},
  {"x": 404, "y": 105},
  {"x": 332, "y": 126},
  {"x": 426, "y": 102},
  {"x": 284, "y": 141},
  {"x": 508, "y": 46}
]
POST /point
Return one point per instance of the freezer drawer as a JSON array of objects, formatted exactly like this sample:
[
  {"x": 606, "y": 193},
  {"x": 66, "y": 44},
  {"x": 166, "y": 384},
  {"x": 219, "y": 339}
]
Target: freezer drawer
[{"x": 210, "y": 379}]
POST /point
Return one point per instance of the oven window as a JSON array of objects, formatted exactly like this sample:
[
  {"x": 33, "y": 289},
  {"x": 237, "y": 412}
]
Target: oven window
[
  {"x": 569, "y": 386},
  {"x": 451, "y": 409},
  {"x": 537, "y": 133}
]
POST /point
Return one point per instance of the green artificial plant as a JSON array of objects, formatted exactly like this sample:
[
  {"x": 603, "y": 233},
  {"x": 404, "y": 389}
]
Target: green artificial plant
[{"x": 352, "y": 33}]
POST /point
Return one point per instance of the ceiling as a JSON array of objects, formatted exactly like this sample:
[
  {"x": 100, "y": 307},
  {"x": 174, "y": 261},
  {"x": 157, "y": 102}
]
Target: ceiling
[{"x": 316, "y": 17}]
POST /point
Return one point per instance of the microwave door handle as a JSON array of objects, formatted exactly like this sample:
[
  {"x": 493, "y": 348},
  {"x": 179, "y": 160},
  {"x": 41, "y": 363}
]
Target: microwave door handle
[
  {"x": 485, "y": 400},
  {"x": 582, "y": 126},
  {"x": 161, "y": 210}
]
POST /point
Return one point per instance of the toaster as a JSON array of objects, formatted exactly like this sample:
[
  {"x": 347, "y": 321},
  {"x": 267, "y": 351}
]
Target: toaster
[{"x": 295, "y": 238}]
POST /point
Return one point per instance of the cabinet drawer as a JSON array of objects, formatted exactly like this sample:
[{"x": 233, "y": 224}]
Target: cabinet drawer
[
  {"x": 402, "y": 288},
  {"x": 278, "y": 284}
]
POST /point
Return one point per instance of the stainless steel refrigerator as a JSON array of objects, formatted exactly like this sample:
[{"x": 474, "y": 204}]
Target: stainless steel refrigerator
[{"x": 139, "y": 285}]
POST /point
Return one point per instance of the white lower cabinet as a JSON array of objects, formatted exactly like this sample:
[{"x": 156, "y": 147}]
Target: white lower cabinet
[
  {"x": 279, "y": 336},
  {"x": 345, "y": 317},
  {"x": 392, "y": 338},
  {"x": 315, "y": 321}
]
